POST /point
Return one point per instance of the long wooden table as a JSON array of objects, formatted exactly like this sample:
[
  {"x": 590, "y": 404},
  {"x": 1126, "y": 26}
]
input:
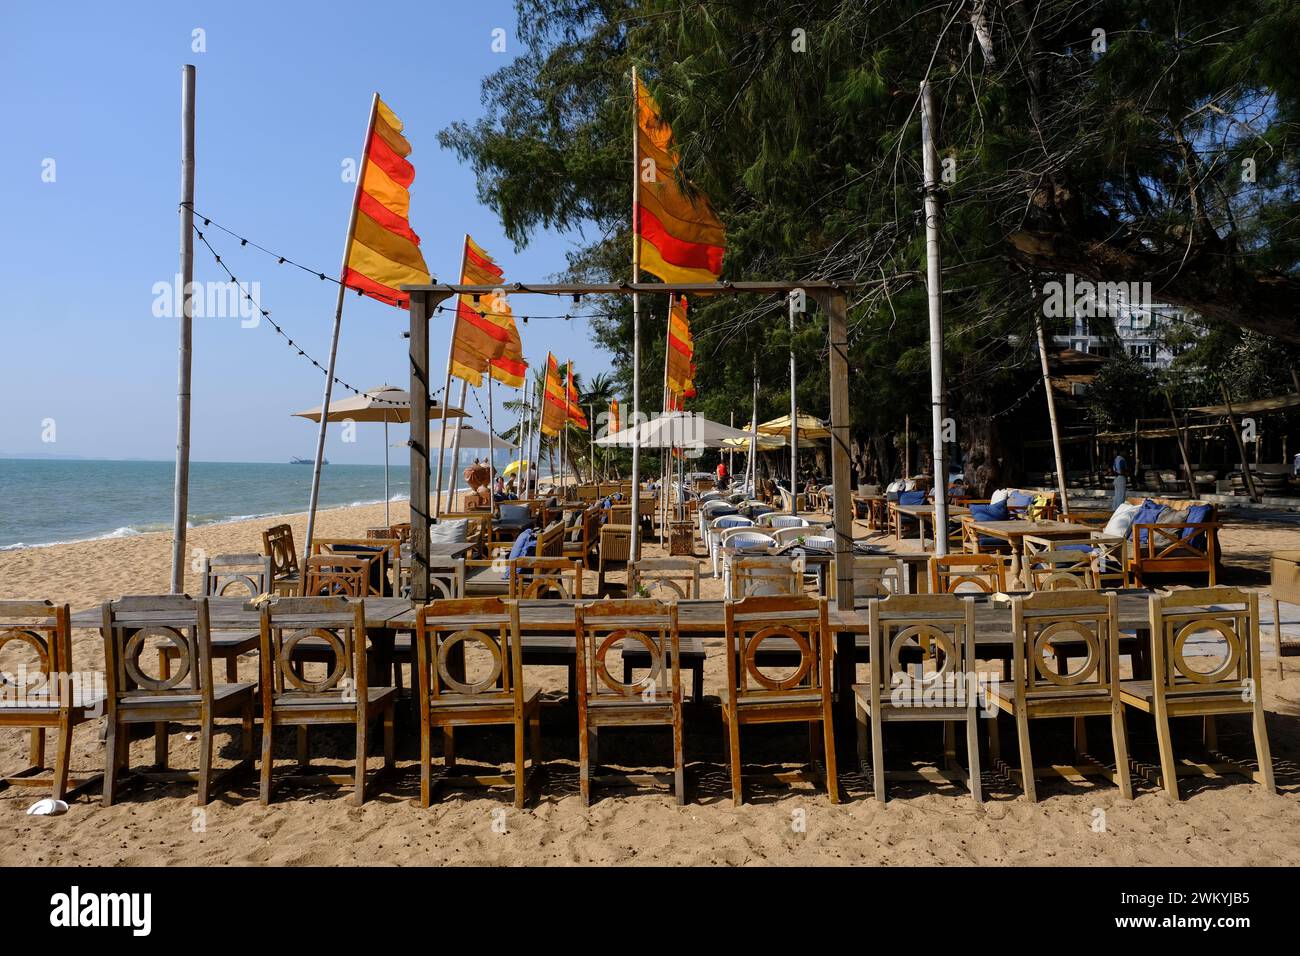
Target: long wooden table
[{"x": 548, "y": 630}]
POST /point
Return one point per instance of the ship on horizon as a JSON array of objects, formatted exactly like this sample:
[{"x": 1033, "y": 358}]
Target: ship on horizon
[{"x": 307, "y": 461}]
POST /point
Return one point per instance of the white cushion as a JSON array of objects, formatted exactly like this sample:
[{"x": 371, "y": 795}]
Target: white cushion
[
  {"x": 1121, "y": 520},
  {"x": 1000, "y": 495},
  {"x": 455, "y": 532}
]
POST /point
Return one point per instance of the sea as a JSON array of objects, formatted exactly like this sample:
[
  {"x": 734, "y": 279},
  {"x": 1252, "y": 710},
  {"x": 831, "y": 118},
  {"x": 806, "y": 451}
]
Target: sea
[{"x": 49, "y": 501}]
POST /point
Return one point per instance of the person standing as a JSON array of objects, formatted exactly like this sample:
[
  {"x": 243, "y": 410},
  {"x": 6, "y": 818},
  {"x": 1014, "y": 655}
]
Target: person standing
[{"x": 1119, "y": 467}]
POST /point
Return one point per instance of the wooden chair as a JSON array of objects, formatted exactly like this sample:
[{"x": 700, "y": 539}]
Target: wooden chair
[
  {"x": 385, "y": 553},
  {"x": 751, "y": 576},
  {"x": 1108, "y": 554},
  {"x": 614, "y": 553},
  {"x": 655, "y": 700},
  {"x": 1056, "y": 570},
  {"x": 479, "y": 529},
  {"x": 1179, "y": 690},
  {"x": 50, "y": 696},
  {"x": 342, "y": 696},
  {"x": 401, "y": 532},
  {"x": 336, "y": 575},
  {"x": 907, "y": 633},
  {"x": 550, "y": 543},
  {"x": 1041, "y": 623},
  {"x": 756, "y": 697},
  {"x": 450, "y": 699},
  {"x": 533, "y": 578},
  {"x": 277, "y": 542},
  {"x": 666, "y": 579},
  {"x": 446, "y": 583},
  {"x": 230, "y": 575},
  {"x": 670, "y": 579},
  {"x": 582, "y": 541},
  {"x": 984, "y": 572},
  {"x": 190, "y": 695},
  {"x": 877, "y": 576}
]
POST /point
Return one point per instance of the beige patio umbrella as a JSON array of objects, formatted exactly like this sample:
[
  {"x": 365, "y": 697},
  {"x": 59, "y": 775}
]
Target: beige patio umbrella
[
  {"x": 810, "y": 427},
  {"x": 386, "y": 404}
]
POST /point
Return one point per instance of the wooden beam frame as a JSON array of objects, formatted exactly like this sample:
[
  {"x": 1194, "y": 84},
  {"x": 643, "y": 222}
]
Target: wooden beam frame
[{"x": 830, "y": 296}]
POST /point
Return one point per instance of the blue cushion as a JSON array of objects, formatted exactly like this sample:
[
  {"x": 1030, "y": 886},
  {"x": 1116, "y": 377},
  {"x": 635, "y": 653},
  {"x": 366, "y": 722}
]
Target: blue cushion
[
  {"x": 1074, "y": 547},
  {"x": 514, "y": 514},
  {"x": 1195, "y": 515},
  {"x": 1146, "y": 514},
  {"x": 525, "y": 545},
  {"x": 994, "y": 512},
  {"x": 911, "y": 497},
  {"x": 1018, "y": 499}
]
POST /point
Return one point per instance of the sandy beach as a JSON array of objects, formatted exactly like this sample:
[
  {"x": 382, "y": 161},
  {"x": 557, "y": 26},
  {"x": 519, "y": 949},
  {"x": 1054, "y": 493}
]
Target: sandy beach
[{"x": 1226, "y": 821}]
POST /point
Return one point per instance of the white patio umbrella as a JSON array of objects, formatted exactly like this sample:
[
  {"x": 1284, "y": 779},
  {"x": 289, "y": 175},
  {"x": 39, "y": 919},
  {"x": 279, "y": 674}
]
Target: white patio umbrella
[
  {"x": 673, "y": 430},
  {"x": 383, "y": 403}
]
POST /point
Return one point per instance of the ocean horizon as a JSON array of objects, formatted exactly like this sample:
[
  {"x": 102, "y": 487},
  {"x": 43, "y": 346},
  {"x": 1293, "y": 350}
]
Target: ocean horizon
[{"x": 46, "y": 501}]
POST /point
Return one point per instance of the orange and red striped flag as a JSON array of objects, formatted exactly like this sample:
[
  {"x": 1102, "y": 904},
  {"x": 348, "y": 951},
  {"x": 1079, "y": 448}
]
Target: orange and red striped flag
[
  {"x": 383, "y": 251},
  {"x": 613, "y": 416},
  {"x": 679, "y": 238},
  {"x": 681, "y": 349},
  {"x": 576, "y": 414},
  {"x": 555, "y": 409},
  {"x": 486, "y": 334}
]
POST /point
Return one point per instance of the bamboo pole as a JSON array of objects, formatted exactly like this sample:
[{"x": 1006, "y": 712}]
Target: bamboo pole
[
  {"x": 794, "y": 421},
  {"x": 1182, "y": 446},
  {"x": 334, "y": 337},
  {"x": 635, "y": 543},
  {"x": 1051, "y": 416},
  {"x": 934, "y": 277},
  {"x": 185, "y": 351},
  {"x": 1241, "y": 446},
  {"x": 492, "y": 438},
  {"x": 446, "y": 396}
]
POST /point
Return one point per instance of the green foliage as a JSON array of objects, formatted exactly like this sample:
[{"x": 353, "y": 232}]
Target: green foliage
[{"x": 812, "y": 159}]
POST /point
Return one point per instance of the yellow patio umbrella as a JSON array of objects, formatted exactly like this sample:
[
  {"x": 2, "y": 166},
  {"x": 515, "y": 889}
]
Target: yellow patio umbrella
[
  {"x": 515, "y": 467},
  {"x": 810, "y": 427}
]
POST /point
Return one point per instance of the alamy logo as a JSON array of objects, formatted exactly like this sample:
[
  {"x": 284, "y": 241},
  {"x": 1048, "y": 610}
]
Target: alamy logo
[
  {"x": 1085, "y": 299},
  {"x": 77, "y": 909}
]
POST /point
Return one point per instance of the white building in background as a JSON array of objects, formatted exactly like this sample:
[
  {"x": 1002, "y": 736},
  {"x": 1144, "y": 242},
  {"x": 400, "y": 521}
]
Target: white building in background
[{"x": 1141, "y": 332}]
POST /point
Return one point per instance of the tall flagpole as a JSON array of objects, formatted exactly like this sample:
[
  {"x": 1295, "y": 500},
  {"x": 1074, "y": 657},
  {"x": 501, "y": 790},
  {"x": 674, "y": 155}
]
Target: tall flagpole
[
  {"x": 446, "y": 395},
  {"x": 635, "y": 544},
  {"x": 334, "y": 339},
  {"x": 492, "y": 491},
  {"x": 455, "y": 451},
  {"x": 666, "y": 464},
  {"x": 181, "y": 493}
]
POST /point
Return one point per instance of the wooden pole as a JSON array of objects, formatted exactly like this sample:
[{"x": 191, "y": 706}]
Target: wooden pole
[
  {"x": 1241, "y": 446},
  {"x": 185, "y": 352},
  {"x": 387, "y": 520},
  {"x": 420, "y": 306},
  {"x": 934, "y": 277},
  {"x": 1182, "y": 447},
  {"x": 1051, "y": 416},
  {"x": 635, "y": 543},
  {"x": 753, "y": 434},
  {"x": 334, "y": 338},
  {"x": 455, "y": 452},
  {"x": 794, "y": 420},
  {"x": 446, "y": 398},
  {"x": 907, "y": 445},
  {"x": 492, "y": 447}
]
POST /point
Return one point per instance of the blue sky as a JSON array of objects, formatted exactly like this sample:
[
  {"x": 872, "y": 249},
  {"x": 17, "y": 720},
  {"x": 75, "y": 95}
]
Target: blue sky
[{"x": 283, "y": 95}]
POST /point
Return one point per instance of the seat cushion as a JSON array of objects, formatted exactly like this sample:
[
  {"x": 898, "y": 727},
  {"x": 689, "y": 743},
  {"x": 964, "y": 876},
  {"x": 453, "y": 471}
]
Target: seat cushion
[
  {"x": 450, "y": 532},
  {"x": 996, "y": 511},
  {"x": 912, "y": 498}
]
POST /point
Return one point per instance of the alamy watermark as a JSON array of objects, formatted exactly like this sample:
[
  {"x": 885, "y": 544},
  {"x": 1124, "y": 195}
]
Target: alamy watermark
[{"x": 209, "y": 300}]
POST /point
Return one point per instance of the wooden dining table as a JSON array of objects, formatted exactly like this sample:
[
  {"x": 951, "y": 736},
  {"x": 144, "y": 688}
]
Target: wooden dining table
[
  {"x": 548, "y": 629},
  {"x": 924, "y": 514},
  {"x": 1014, "y": 531}
]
